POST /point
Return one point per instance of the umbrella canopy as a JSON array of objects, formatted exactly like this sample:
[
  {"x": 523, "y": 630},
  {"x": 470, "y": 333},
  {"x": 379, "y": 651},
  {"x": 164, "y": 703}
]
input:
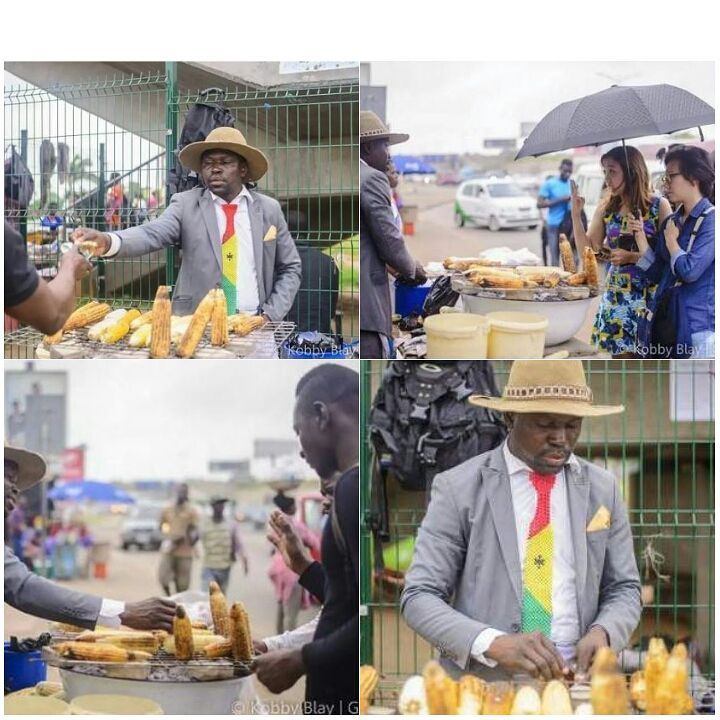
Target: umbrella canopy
[
  {"x": 409, "y": 164},
  {"x": 78, "y": 491},
  {"x": 618, "y": 113}
]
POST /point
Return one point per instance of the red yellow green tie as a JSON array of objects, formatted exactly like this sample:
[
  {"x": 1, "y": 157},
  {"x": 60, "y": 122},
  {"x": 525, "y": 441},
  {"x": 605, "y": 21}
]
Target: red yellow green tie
[
  {"x": 229, "y": 251},
  {"x": 537, "y": 571}
]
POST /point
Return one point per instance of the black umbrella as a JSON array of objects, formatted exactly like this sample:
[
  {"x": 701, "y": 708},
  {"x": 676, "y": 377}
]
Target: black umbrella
[{"x": 618, "y": 113}]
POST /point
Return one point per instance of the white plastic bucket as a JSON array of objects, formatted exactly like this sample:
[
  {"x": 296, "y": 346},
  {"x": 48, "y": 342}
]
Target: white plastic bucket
[
  {"x": 456, "y": 336},
  {"x": 516, "y": 335}
]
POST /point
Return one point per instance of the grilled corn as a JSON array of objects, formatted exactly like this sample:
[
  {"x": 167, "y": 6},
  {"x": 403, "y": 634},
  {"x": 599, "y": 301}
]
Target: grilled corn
[
  {"x": 141, "y": 337},
  {"x": 144, "y": 319},
  {"x": 99, "y": 652},
  {"x": 196, "y": 328},
  {"x": 160, "y": 324},
  {"x": 440, "y": 690},
  {"x": 579, "y": 278},
  {"x": 368, "y": 683},
  {"x": 54, "y": 339},
  {"x": 412, "y": 700},
  {"x": 526, "y": 702},
  {"x": 637, "y": 690},
  {"x": 220, "y": 648},
  {"x": 566, "y": 254},
  {"x": 200, "y": 641},
  {"x": 182, "y": 634},
  {"x": 120, "y": 329},
  {"x": 239, "y": 633},
  {"x": 590, "y": 267},
  {"x": 244, "y": 324},
  {"x": 219, "y": 610},
  {"x": 471, "y": 692},
  {"x": 88, "y": 314},
  {"x": 219, "y": 335},
  {"x": 608, "y": 693},
  {"x": 673, "y": 697},
  {"x": 655, "y": 663},
  {"x": 556, "y": 699}
]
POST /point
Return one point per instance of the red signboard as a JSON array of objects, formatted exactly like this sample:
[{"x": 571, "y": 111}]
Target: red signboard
[{"x": 73, "y": 463}]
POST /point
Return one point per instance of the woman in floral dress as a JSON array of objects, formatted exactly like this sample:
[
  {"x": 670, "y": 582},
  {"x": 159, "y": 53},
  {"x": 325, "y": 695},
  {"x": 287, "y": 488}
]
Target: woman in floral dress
[{"x": 628, "y": 195}]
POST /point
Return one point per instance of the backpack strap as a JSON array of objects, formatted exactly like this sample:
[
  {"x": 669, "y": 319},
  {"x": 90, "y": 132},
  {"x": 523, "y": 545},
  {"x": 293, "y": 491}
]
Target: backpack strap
[{"x": 693, "y": 234}]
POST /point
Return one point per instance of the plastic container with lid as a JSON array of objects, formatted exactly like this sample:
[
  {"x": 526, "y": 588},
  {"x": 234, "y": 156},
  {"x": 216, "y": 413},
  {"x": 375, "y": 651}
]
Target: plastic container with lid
[
  {"x": 457, "y": 336},
  {"x": 516, "y": 335},
  {"x": 35, "y": 705},
  {"x": 114, "y": 705}
]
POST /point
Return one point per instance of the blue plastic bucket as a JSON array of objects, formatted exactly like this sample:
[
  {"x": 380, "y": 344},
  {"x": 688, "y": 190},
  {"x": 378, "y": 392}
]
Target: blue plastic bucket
[
  {"x": 409, "y": 299},
  {"x": 23, "y": 670}
]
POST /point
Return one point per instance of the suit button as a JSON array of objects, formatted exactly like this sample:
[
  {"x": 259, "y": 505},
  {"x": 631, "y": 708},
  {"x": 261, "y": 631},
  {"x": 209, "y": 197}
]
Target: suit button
[{"x": 515, "y": 627}]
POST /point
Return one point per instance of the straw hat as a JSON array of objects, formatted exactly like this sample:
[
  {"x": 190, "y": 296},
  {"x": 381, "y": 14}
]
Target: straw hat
[
  {"x": 547, "y": 386},
  {"x": 230, "y": 139},
  {"x": 373, "y": 128},
  {"x": 31, "y": 466}
]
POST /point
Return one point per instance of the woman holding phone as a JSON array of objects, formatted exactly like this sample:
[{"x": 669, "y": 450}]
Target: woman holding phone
[{"x": 628, "y": 196}]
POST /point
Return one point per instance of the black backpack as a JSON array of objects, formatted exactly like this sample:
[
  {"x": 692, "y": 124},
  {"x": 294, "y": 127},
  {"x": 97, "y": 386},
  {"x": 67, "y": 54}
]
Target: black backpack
[
  {"x": 201, "y": 119},
  {"x": 421, "y": 417},
  {"x": 19, "y": 182}
]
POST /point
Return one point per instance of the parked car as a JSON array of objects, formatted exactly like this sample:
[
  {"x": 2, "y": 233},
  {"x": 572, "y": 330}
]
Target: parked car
[
  {"x": 141, "y": 533},
  {"x": 255, "y": 515},
  {"x": 495, "y": 203}
]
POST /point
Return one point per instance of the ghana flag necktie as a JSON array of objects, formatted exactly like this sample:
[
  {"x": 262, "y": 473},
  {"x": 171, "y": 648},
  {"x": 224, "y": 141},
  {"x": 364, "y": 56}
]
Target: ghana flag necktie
[
  {"x": 537, "y": 572},
  {"x": 229, "y": 250}
]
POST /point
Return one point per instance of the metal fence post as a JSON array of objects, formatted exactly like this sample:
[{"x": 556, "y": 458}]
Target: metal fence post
[
  {"x": 171, "y": 139},
  {"x": 24, "y": 156},
  {"x": 366, "y": 565}
]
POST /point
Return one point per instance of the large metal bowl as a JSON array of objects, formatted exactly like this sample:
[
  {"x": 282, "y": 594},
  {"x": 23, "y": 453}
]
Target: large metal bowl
[{"x": 565, "y": 317}]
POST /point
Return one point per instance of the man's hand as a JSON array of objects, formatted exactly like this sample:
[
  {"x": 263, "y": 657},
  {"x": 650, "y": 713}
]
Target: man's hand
[
  {"x": 420, "y": 274},
  {"x": 530, "y": 653},
  {"x": 259, "y": 647},
  {"x": 151, "y": 614},
  {"x": 588, "y": 645},
  {"x": 97, "y": 243},
  {"x": 73, "y": 262},
  {"x": 283, "y": 536},
  {"x": 279, "y": 670}
]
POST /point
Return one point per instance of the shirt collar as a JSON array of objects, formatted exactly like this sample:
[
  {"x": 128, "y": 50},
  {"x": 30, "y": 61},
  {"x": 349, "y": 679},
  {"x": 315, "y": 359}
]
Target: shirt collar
[
  {"x": 516, "y": 465},
  {"x": 699, "y": 208},
  {"x": 243, "y": 193}
]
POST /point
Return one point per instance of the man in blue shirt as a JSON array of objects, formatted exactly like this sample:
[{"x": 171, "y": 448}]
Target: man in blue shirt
[
  {"x": 555, "y": 196},
  {"x": 52, "y": 221}
]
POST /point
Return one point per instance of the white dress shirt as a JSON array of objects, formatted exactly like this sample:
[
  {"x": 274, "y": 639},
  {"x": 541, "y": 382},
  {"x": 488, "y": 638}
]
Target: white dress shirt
[
  {"x": 247, "y": 299},
  {"x": 565, "y": 625},
  {"x": 110, "y": 612},
  {"x": 293, "y": 639}
]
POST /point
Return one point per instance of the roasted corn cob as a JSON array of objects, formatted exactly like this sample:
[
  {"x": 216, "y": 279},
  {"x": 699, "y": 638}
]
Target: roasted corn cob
[
  {"x": 197, "y": 326},
  {"x": 673, "y": 697},
  {"x": 248, "y": 632},
  {"x": 54, "y": 339},
  {"x": 239, "y": 634},
  {"x": 88, "y": 314},
  {"x": 144, "y": 319},
  {"x": 111, "y": 318},
  {"x": 440, "y": 690},
  {"x": 178, "y": 326},
  {"x": 556, "y": 699},
  {"x": 526, "y": 702},
  {"x": 220, "y": 648},
  {"x": 120, "y": 329},
  {"x": 244, "y": 324},
  {"x": 141, "y": 337},
  {"x": 368, "y": 683},
  {"x": 608, "y": 693},
  {"x": 127, "y": 639},
  {"x": 160, "y": 324},
  {"x": 182, "y": 634},
  {"x": 579, "y": 278},
  {"x": 655, "y": 663},
  {"x": 458, "y": 263},
  {"x": 471, "y": 692},
  {"x": 199, "y": 624},
  {"x": 566, "y": 254},
  {"x": 412, "y": 700},
  {"x": 219, "y": 610},
  {"x": 99, "y": 652},
  {"x": 605, "y": 660},
  {"x": 637, "y": 690},
  {"x": 590, "y": 268},
  {"x": 200, "y": 639},
  {"x": 219, "y": 335}
]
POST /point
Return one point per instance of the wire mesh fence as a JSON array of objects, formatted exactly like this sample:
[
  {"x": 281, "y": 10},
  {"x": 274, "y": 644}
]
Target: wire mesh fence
[
  {"x": 661, "y": 450},
  {"x": 99, "y": 152}
]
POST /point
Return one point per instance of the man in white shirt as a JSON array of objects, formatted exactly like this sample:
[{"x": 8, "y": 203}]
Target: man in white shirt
[
  {"x": 524, "y": 563},
  {"x": 229, "y": 235},
  {"x": 37, "y": 596}
]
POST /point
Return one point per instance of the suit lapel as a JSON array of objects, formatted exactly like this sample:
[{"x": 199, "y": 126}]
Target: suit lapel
[
  {"x": 503, "y": 515},
  {"x": 256, "y": 225},
  {"x": 578, "y": 488},
  {"x": 207, "y": 210}
]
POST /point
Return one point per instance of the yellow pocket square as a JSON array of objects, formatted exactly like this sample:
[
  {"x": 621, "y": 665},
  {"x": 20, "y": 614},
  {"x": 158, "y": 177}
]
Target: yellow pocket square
[
  {"x": 271, "y": 234},
  {"x": 601, "y": 520}
]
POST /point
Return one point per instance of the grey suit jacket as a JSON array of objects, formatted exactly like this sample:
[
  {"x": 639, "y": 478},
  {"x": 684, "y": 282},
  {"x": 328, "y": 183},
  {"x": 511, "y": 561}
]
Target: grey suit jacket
[
  {"x": 466, "y": 574},
  {"x": 37, "y": 596},
  {"x": 189, "y": 223},
  {"x": 381, "y": 244}
]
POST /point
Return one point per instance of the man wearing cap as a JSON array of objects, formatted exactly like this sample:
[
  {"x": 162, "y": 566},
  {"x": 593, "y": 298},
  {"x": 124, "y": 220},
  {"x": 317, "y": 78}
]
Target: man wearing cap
[
  {"x": 221, "y": 546},
  {"x": 229, "y": 235},
  {"x": 524, "y": 563},
  {"x": 37, "y": 596},
  {"x": 381, "y": 242}
]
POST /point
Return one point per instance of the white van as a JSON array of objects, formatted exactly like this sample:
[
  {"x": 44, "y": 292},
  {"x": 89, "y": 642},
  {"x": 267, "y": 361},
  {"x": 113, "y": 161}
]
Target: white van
[{"x": 495, "y": 203}]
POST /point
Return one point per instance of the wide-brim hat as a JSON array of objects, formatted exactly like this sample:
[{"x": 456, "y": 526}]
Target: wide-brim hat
[
  {"x": 373, "y": 128},
  {"x": 31, "y": 466},
  {"x": 232, "y": 140},
  {"x": 547, "y": 386},
  {"x": 217, "y": 499}
]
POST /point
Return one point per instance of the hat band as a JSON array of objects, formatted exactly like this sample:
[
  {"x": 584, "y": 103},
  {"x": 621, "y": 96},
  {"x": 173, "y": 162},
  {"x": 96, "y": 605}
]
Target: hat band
[
  {"x": 543, "y": 392},
  {"x": 368, "y": 133}
]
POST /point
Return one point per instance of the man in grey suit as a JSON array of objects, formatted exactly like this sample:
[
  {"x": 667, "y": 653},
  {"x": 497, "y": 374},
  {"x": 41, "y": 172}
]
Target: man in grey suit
[
  {"x": 37, "y": 596},
  {"x": 229, "y": 235},
  {"x": 381, "y": 242},
  {"x": 524, "y": 563}
]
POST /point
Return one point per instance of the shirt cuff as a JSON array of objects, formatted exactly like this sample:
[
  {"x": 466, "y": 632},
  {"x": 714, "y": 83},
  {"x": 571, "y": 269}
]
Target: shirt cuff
[
  {"x": 110, "y": 612},
  {"x": 273, "y": 643},
  {"x": 482, "y": 642},
  {"x": 646, "y": 259},
  {"x": 115, "y": 243},
  {"x": 674, "y": 257}
]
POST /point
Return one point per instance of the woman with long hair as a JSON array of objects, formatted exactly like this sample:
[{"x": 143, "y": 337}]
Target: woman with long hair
[
  {"x": 628, "y": 195},
  {"x": 679, "y": 267}
]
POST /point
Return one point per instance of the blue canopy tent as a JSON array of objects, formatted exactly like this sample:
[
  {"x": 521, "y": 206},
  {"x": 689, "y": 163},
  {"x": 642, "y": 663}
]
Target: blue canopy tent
[
  {"x": 411, "y": 164},
  {"x": 90, "y": 490}
]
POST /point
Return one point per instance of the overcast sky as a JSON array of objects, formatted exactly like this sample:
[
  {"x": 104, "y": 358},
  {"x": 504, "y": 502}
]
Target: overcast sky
[
  {"x": 167, "y": 419},
  {"x": 454, "y": 106}
]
